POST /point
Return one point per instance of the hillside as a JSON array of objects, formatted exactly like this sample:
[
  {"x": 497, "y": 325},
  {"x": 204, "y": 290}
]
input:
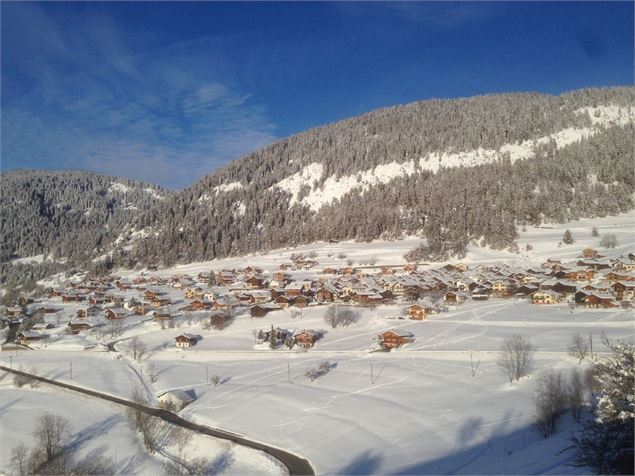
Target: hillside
[
  {"x": 452, "y": 170},
  {"x": 455, "y": 171},
  {"x": 67, "y": 216}
]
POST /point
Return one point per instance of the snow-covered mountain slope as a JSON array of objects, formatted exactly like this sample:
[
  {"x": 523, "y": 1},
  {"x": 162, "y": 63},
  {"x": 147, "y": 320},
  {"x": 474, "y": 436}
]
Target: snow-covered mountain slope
[
  {"x": 335, "y": 187},
  {"x": 455, "y": 170},
  {"x": 67, "y": 213}
]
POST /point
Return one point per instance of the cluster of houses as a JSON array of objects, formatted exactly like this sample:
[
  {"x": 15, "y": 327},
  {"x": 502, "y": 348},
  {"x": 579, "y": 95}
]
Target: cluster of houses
[
  {"x": 590, "y": 280},
  {"x": 276, "y": 337}
]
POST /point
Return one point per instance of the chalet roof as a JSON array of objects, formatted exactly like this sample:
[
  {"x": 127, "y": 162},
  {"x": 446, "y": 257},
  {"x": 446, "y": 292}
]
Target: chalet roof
[
  {"x": 607, "y": 297},
  {"x": 400, "y": 332},
  {"x": 30, "y": 335},
  {"x": 118, "y": 310},
  {"x": 187, "y": 336},
  {"x": 628, "y": 284},
  {"x": 329, "y": 287},
  {"x": 294, "y": 285},
  {"x": 549, "y": 292},
  {"x": 266, "y": 305},
  {"x": 259, "y": 293}
]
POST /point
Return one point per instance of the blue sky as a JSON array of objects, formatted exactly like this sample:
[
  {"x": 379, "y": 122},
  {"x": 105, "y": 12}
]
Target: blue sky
[{"x": 168, "y": 92}]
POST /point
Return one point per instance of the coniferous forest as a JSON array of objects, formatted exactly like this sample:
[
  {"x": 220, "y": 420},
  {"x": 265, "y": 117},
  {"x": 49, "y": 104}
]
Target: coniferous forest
[{"x": 74, "y": 217}]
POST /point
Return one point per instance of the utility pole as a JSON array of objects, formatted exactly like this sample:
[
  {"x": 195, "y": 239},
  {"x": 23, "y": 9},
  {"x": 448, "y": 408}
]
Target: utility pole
[
  {"x": 10, "y": 361},
  {"x": 591, "y": 343},
  {"x": 289, "y": 372},
  {"x": 372, "y": 378},
  {"x": 206, "y": 374},
  {"x": 71, "y": 370}
]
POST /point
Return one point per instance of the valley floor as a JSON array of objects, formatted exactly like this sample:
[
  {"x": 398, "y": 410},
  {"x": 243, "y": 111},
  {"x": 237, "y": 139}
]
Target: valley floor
[
  {"x": 416, "y": 410},
  {"x": 439, "y": 405}
]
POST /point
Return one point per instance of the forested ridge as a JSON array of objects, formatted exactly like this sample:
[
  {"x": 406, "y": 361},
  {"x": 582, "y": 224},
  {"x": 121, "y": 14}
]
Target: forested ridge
[
  {"x": 48, "y": 212},
  {"x": 67, "y": 214}
]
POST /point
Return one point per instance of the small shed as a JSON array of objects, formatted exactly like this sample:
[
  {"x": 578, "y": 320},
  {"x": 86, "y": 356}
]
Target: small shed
[{"x": 176, "y": 399}]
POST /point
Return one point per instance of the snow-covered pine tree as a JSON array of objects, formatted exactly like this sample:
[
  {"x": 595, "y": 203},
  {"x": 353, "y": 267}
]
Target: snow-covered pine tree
[
  {"x": 605, "y": 442},
  {"x": 567, "y": 238}
]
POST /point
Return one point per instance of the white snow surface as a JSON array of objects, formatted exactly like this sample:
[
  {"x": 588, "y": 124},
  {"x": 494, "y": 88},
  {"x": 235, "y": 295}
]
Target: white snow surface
[
  {"x": 335, "y": 188},
  {"x": 154, "y": 193},
  {"x": 118, "y": 187},
  {"x": 227, "y": 187}
]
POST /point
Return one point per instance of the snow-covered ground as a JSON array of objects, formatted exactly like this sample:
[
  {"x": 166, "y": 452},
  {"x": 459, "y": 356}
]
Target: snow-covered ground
[
  {"x": 102, "y": 428},
  {"x": 416, "y": 410}
]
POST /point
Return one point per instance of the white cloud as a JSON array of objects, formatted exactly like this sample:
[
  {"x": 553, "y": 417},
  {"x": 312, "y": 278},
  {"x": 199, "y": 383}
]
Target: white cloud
[{"x": 121, "y": 109}]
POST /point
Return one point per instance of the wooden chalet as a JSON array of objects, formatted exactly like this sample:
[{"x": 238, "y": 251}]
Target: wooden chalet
[
  {"x": 198, "y": 305},
  {"x": 186, "y": 340},
  {"x": 306, "y": 339},
  {"x": 254, "y": 282},
  {"x": 624, "y": 291},
  {"x": 453, "y": 297},
  {"x": 257, "y": 297},
  {"x": 502, "y": 288},
  {"x": 68, "y": 297},
  {"x": 29, "y": 336},
  {"x": 563, "y": 288},
  {"x": 161, "y": 316},
  {"x": 395, "y": 338},
  {"x": 282, "y": 301},
  {"x": 300, "y": 301},
  {"x": 418, "y": 312},
  {"x": 116, "y": 313},
  {"x": 326, "y": 293},
  {"x": 260, "y": 310},
  {"x": 367, "y": 298},
  {"x": 579, "y": 275},
  {"x": 158, "y": 302},
  {"x": 293, "y": 289},
  {"x": 612, "y": 277},
  {"x": 623, "y": 265},
  {"x": 598, "y": 301},
  {"x": 545, "y": 297},
  {"x": 590, "y": 253},
  {"x": 75, "y": 327}
]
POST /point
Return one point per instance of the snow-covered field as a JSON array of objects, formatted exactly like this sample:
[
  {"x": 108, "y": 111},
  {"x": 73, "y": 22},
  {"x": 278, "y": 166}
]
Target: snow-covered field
[{"x": 416, "y": 410}]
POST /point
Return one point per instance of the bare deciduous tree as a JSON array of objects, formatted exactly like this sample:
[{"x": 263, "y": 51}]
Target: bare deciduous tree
[
  {"x": 137, "y": 348},
  {"x": 52, "y": 434},
  {"x": 181, "y": 437},
  {"x": 337, "y": 316},
  {"x": 578, "y": 347},
  {"x": 20, "y": 459},
  {"x": 549, "y": 402},
  {"x": 151, "y": 370},
  {"x": 215, "y": 379},
  {"x": 516, "y": 357},
  {"x": 20, "y": 380},
  {"x": 576, "y": 393}
]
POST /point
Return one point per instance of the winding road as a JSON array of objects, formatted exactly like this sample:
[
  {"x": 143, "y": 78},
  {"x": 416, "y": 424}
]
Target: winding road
[{"x": 295, "y": 464}]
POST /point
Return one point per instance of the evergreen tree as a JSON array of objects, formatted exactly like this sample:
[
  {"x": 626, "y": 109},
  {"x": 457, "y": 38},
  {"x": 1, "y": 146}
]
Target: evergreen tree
[
  {"x": 567, "y": 239},
  {"x": 606, "y": 440}
]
